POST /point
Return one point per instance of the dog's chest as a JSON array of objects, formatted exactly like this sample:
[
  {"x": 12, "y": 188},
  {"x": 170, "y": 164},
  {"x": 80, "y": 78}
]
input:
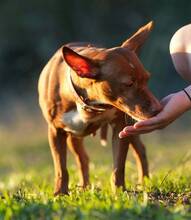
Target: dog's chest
[{"x": 81, "y": 122}]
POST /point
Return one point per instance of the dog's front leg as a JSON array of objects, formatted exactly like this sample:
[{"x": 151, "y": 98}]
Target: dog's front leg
[
  {"x": 76, "y": 146},
  {"x": 139, "y": 152},
  {"x": 57, "y": 141},
  {"x": 120, "y": 148}
]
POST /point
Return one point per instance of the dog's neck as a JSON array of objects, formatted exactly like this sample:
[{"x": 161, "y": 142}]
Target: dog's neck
[{"x": 82, "y": 99}]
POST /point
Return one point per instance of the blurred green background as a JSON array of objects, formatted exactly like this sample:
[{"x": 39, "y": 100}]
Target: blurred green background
[{"x": 31, "y": 31}]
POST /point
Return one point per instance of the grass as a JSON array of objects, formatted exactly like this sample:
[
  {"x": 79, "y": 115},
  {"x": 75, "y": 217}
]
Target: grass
[{"x": 26, "y": 181}]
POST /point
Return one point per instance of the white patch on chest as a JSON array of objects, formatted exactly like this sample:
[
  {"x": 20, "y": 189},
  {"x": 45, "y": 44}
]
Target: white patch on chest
[{"x": 77, "y": 120}]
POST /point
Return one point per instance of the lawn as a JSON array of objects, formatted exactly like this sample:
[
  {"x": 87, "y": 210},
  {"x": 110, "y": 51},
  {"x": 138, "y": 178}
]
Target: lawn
[{"x": 26, "y": 179}]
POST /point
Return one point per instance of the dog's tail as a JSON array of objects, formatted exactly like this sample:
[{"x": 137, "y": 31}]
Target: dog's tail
[{"x": 103, "y": 135}]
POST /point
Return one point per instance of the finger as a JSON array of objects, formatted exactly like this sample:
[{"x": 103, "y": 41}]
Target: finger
[
  {"x": 129, "y": 130},
  {"x": 124, "y": 134},
  {"x": 126, "y": 131},
  {"x": 149, "y": 122}
]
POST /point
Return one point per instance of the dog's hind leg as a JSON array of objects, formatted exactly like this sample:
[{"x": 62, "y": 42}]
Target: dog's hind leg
[
  {"x": 57, "y": 141},
  {"x": 139, "y": 153},
  {"x": 75, "y": 145}
]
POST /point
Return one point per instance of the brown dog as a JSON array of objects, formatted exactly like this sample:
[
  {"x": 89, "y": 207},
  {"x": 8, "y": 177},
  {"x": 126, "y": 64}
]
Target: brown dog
[{"x": 84, "y": 87}]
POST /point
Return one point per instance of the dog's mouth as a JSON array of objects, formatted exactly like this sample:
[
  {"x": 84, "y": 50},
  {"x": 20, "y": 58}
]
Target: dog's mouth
[
  {"x": 129, "y": 120},
  {"x": 134, "y": 112},
  {"x": 137, "y": 116}
]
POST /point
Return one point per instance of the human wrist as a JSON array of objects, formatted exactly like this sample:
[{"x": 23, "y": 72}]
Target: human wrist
[
  {"x": 187, "y": 91},
  {"x": 185, "y": 96}
]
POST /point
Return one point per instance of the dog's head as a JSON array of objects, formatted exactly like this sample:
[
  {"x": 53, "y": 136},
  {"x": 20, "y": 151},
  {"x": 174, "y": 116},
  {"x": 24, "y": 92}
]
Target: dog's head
[{"x": 117, "y": 77}]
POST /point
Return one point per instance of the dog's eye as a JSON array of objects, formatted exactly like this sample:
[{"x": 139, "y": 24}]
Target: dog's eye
[
  {"x": 131, "y": 65},
  {"x": 129, "y": 84}
]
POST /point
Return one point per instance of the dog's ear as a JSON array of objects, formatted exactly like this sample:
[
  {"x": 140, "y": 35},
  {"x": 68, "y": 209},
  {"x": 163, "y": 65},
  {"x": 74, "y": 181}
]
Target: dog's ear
[
  {"x": 137, "y": 40},
  {"x": 83, "y": 66}
]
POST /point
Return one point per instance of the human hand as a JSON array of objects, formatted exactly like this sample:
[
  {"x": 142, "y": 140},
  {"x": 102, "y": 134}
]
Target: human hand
[{"x": 174, "y": 105}]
